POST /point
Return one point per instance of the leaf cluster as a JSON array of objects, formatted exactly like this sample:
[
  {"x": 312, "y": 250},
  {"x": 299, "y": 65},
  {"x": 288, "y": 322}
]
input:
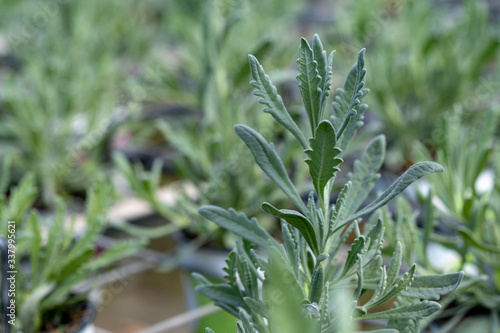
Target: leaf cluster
[
  {"x": 50, "y": 261},
  {"x": 295, "y": 286}
]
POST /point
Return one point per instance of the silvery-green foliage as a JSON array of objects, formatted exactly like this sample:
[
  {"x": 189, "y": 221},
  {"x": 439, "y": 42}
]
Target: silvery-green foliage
[
  {"x": 50, "y": 261},
  {"x": 302, "y": 284}
]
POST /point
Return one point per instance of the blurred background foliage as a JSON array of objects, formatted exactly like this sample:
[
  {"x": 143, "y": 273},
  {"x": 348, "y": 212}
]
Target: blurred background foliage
[
  {"x": 158, "y": 86},
  {"x": 79, "y": 79}
]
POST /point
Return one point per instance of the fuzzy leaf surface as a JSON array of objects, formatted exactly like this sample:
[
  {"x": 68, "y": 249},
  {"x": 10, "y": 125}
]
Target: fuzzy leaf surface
[
  {"x": 414, "y": 173},
  {"x": 432, "y": 286},
  {"x": 323, "y": 157},
  {"x": 297, "y": 220},
  {"x": 221, "y": 293},
  {"x": 269, "y": 97},
  {"x": 407, "y": 311},
  {"x": 398, "y": 288},
  {"x": 309, "y": 83},
  {"x": 365, "y": 173},
  {"x": 269, "y": 162},
  {"x": 348, "y": 110},
  {"x": 238, "y": 223}
]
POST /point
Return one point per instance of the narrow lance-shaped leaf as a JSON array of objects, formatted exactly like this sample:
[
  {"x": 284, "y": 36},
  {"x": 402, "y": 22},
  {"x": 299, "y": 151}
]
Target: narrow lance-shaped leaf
[
  {"x": 269, "y": 162},
  {"x": 257, "y": 306},
  {"x": 402, "y": 284},
  {"x": 269, "y": 97},
  {"x": 317, "y": 284},
  {"x": 397, "y": 257},
  {"x": 338, "y": 212},
  {"x": 222, "y": 294},
  {"x": 28, "y": 309},
  {"x": 407, "y": 311},
  {"x": 352, "y": 255},
  {"x": 359, "y": 272},
  {"x": 239, "y": 224},
  {"x": 118, "y": 250},
  {"x": 365, "y": 173},
  {"x": 290, "y": 247},
  {"x": 323, "y": 157},
  {"x": 381, "y": 286},
  {"x": 309, "y": 83},
  {"x": 376, "y": 234},
  {"x": 348, "y": 111},
  {"x": 324, "y": 70},
  {"x": 245, "y": 324},
  {"x": 414, "y": 173},
  {"x": 432, "y": 286},
  {"x": 297, "y": 220}
]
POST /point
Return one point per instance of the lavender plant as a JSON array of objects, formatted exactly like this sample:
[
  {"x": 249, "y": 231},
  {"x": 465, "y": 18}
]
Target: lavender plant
[
  {"x": 308, "y": 283},
  {"x": 52, "y": 264}
]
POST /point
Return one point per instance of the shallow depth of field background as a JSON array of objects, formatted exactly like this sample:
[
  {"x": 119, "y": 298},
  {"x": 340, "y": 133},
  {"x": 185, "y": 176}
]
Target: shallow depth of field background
[{"x": 87, "y": 87}]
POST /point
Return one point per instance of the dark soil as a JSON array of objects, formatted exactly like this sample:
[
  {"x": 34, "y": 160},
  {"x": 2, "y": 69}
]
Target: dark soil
[{"x": 70, "y": 319}]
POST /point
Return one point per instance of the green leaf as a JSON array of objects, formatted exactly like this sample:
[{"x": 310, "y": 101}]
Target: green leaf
[
  {"x": 269, "y": 97},
  {"x": 432, "y": 286},
  {"x": 339, "y": 209},
  {"x": 347, "y": 107},
  {"x": 52, "y": 254},
  {"x": 309, "y": 83},
  {"x": 365, "y": 173},
  {"x": 352, "y": 255},
  {"x": 407, "y": 311},
  {"x": 381, "y": 287},
  {"x": 376, "y": 234},
  {"x": 324, "y": 70},
  {"x": 397, "y": 257},
  {"x": 62, "y": 292},
  {"x": 359, "y": 272},
  {"x": 290, "y": 247},
  {"x": 84, "y": 243},
  {"x": 239, "y": 224},
  {"x": 245, "y": 325},
  {"x": 269, "y": 162},
  {"x": 297, "y": 220},
  {"x": 29, "y": 310},
  {"x": 69, "y": 268},
  {"x": 402, "y": 284},
  {"x": 323, "y": 157},
  {"x": 414, "y": 173},
  {"x": 317, "y": 284},
  {"x": 257, "y": 306},
  {"x": 223, "y": 294}
]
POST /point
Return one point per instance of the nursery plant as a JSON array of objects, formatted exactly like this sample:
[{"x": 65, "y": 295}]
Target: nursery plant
[
  {"x": 51, "y": 262},
  {"x": 307, "y": 282},
  {"x": 460, "y": 218}
]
